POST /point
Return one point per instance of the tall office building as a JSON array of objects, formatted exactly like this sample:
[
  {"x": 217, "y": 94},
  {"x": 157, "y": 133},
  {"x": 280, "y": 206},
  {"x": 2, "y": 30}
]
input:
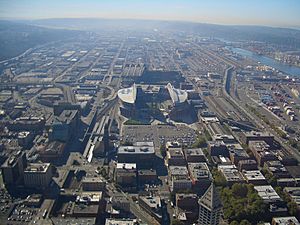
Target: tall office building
[
  {"x": 210, "y": 207},
  {"x": 13, "y": 169},
  {"x": 37, "y": 175}
]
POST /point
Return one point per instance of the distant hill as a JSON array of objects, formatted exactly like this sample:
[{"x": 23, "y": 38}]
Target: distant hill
[
  {"x": 279, "y": 36},
  {"x": 16, "y": 37}
]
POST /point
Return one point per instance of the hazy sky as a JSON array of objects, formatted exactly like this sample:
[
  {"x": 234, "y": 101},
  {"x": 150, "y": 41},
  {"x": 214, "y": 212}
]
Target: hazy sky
[{"x": 284, "y": 13}]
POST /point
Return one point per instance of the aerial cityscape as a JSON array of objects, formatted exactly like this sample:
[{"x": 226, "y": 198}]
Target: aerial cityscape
[{"x": 133, "y": 120}]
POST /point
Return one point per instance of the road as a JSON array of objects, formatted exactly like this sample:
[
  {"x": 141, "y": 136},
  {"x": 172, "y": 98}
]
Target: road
[
  {"x": 257, "y": 121},
  {"x": 134, "y": 207}
]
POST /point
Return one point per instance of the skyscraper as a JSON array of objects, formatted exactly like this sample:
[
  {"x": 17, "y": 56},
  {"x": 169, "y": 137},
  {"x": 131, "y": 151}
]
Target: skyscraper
[
  {"x": 210, "y": 207},
  {"x": 13, "y": 169}
]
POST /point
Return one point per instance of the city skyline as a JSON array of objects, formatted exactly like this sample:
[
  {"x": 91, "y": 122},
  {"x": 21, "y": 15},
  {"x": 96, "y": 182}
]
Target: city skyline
[{"x": 232, "y": 12}]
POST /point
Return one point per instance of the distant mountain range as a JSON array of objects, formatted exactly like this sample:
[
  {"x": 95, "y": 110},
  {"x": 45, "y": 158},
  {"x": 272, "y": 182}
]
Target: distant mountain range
[{"x": 17, "y": 36}]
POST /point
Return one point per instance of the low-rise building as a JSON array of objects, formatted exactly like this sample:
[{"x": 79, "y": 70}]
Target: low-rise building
[
  {"x": 126, "y": 175},
  {"x": 187, "y": 204},
  {"x": 277, "y": 207},
  {"x": 141, "y": 153},
  {"x": 175, "y": 157},
  {"x": 236, "y": 155},
  {"x": 294, "y": 194},
  {"x": 194, "y": 155},
  {"x": 287, "y": 220},
  {"x": 248, "y": 164},
  {"x": 216, "y": 148},
  {"x": 179, "y": 177},
  {"x": 152, "y": 205},
  {"x": 200, "y": 176},
  {"x": 147, "y": 176},
  {"x": 277, "y": 169},
  {"x": 120, "y": 202},
  {"x": 231, "y": 174},
  {"x": 88, "y": 204},
  {"x": 267, "y": 193},
  {"x": 262, "y": 152},
  {"x": 227, "y": 139},
  {"x": 93, "y": 184},
  {"x": 254, "y": 177},
  {"x": 221, "y": 160},
  {"x": 110, "y": 221},
  {"x": 258, "y": 136}
]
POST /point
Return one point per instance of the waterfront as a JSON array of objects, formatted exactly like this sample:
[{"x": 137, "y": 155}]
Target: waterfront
[{"x": 288, "y": 69}]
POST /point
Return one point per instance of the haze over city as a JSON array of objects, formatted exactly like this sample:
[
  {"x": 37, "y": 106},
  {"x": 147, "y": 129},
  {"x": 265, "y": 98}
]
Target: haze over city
[{"x": 282, "y": 13}]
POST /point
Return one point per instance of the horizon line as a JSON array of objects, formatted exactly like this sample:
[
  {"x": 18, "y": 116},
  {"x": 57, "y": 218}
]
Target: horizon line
[{"x": 147, "y": 19}]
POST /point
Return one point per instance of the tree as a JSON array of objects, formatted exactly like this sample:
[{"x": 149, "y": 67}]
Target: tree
[
  {"x": 245, "y": 222},
  {"x": 239, "y": 190},
  {"x": 219, "y": 179},
  {"x": 163, "y": 150},
  {"x": 293, "y": 208},
  {"x": 234, "y": 223},
  {"x": 200, "y": 142},
  {"x": 177, "y": 222},
  {"x": 241, "y": 202},
  {"x": 172, "y": 196}
]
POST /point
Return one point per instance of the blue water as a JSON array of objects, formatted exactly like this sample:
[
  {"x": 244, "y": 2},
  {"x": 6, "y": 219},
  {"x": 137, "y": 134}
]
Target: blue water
[{"x": 288, "y": 69}]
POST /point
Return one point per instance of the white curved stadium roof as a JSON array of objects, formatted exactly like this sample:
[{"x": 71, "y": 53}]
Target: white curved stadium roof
[
  {"x": 128, "y": 95},
  {"x": 177, "y": 95}
]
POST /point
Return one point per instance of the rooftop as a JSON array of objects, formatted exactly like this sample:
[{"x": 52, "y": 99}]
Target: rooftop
[
  {"x": 138, "y": 148},
  {"x": 37, "y": 167},
  {"x": 177, "y": 95},
  {"x": 151, "y": 201},
  {"x": 193, "y": 151},
  {"x": 111, "y": 221},
  {"x": 289, "y": 220},
  {"x": 199, "y": 171},
  {"x": 294, "y": 193},
  {"x": 126, "y": 166},
  {"x": 13, "y": 159},
  {"x": 178, "y": 171},
  {"x": 230, "y": 173},
  {"x": 65, "y": 117},
  {"x": 128, "y": 95},
  {"x": 267, "y": 193},
  {"x": 251, "y": 175},
  {"x": 89, "y": 197},
  {"x": 258, "y": 134}
]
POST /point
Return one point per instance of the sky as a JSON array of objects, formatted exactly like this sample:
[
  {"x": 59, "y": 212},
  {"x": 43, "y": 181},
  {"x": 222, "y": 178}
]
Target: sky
[{"x": 279, "y": 13}]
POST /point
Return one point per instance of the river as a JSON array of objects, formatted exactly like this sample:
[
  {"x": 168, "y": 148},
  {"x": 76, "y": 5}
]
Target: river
[{"x": 288, "y": 69}]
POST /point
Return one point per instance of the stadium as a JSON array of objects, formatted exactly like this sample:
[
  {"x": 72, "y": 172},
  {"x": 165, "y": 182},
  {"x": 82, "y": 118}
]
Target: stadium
[{"x": 161, "y": 101}]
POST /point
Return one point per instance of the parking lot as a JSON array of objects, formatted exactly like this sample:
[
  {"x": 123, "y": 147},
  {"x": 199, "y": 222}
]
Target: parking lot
[{"x": 159, "y": 134}]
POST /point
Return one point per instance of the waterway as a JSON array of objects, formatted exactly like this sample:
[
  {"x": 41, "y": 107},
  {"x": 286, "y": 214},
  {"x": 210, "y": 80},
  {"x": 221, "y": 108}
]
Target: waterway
[{"x": 288, "y": 69}]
